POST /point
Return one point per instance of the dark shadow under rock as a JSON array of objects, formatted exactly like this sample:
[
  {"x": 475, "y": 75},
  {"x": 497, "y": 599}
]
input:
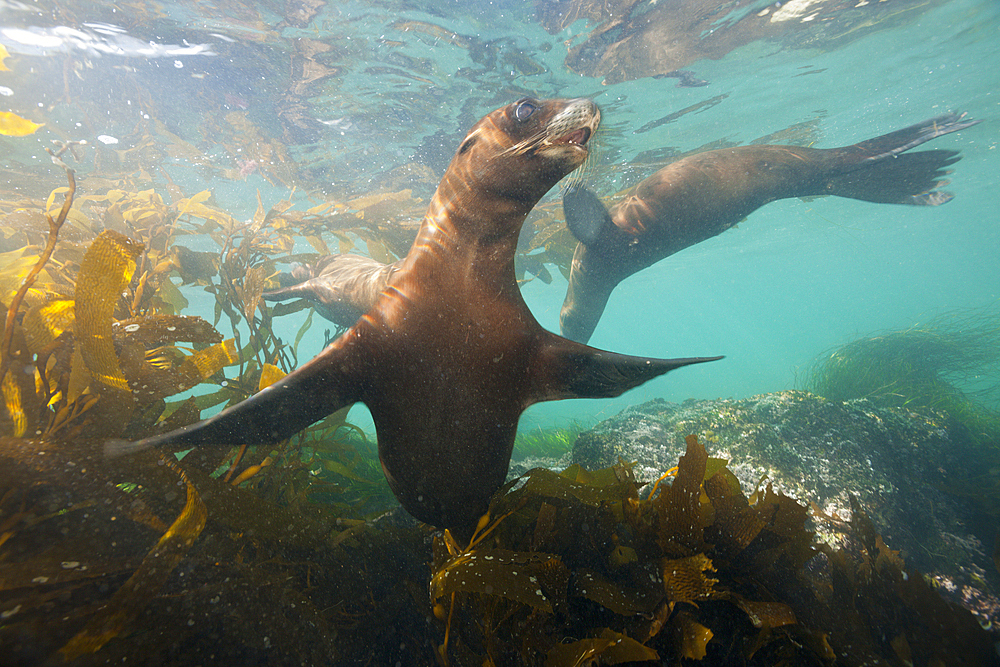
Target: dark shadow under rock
[{"x": 896, "y": 462}]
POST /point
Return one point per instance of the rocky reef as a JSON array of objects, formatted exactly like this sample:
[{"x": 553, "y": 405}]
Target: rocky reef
[{"x": 906, "y": 469}]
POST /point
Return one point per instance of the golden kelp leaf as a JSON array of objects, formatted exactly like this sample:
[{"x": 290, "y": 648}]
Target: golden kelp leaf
[
  {"x": 198, "y": 210},
  {"x": 549, "y": 484},
  {"x": 346, "y": 242},
  {"x": 13, "y": 125},
  {"x": 611, "y": 647},
  {"x": 269, "y": 374},
  {"x": 509, "y": 574},
  {"x": 185, "y": 414},
  {"x": 621, "y": 599},
  {"x": 14, "y": 269},
  {"x": 193, "y": 266},
  {"x": 684, "y": 579},
  {"x": 736, "y": 524},
  {"x": 184, "y": 204},
  {"x": 14, "y": 405},
  {"x": 47, "y": 321},
  {"x": 378, "y": 251},
  {"x": 129, "y": 600},
  {"x": 320, "y": 208},
  {"x": 171, "y": 297},
  {"x": 3, "y": 56},
  {"x": 259, "y": 215},
  {"x": 318, "y": 244},
  {"x": 79, "y": 377},
  {"x": 106, "y": 270},
  {"x": 681, "y": 529},
  {"x": 764, "y": 614},
  {"x": 205, "y": 363},
  {"x": 368, "y": 201},
  {"x": 155, "y": 330},
  {"x": 691, "y": 637},
  {"x": 253, "y": 287},
  {"x": 52, "y": 197}
]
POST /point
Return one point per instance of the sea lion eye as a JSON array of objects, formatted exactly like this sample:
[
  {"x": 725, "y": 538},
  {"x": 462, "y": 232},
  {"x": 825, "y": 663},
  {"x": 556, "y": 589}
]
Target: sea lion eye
[{"x": 524, "y": 110}]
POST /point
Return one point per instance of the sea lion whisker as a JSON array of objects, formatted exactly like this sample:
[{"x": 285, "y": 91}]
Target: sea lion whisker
[{"x": 525, "y": 145}]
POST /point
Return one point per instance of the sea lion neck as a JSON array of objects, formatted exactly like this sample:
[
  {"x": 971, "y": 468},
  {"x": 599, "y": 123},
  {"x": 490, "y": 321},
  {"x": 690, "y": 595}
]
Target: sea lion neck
[{"x": 503, "y": 167}]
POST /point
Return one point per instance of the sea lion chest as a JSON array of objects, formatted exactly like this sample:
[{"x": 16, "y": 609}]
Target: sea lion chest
[{"x": 436, "y": 360}]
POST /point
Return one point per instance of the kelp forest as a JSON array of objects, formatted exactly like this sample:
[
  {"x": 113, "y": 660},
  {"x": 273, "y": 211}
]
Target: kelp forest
[
  {"x": 133, "y": 304},
  {"x": 296, "y": 554}
]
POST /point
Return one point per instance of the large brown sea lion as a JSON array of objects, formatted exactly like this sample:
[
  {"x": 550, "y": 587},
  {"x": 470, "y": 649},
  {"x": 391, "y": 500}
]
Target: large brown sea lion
[
  {"x": 340, "y": 287},
  {"x": 705, "y": 194},
  {"x": 449, "y": 356}
]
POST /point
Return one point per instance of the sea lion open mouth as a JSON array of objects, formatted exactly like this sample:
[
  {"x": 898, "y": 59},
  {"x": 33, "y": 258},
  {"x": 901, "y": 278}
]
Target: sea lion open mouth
[{"x": 578, "y": 137}]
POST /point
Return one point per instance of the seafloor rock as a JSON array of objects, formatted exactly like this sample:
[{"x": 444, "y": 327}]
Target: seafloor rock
[{"x": 896, "y": 462}]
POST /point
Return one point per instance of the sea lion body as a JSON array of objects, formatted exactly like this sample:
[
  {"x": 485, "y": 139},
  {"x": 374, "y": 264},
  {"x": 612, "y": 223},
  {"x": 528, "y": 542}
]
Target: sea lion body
[
  {"x": 340, "y": 287},
  {"x": 705, "y": 194},
  {"x": 449, "y": 355}
]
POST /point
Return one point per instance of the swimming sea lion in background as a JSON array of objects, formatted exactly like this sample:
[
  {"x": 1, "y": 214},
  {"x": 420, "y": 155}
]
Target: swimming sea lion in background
[
  {"x": 449, "y": 356},
  {"x": 705, "y": 194},
  {"x": 340, "y": 287}
]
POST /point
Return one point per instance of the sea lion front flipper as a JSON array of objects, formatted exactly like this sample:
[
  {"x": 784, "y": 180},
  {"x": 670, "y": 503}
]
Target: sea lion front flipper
[
  {"x": 304, "y": 396},
  {"x": 586, "y": 216},
  {"x": 572, "y": 370}
]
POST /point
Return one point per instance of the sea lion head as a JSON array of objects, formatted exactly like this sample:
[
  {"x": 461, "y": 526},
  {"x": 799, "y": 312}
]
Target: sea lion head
[{"x": 515, "y": 154}]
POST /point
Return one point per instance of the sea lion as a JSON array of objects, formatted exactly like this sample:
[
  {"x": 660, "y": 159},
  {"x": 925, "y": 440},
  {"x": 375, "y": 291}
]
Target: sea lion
[
  {"x": 340, "y": 287},
  {"x": 705, "y": 194},
  {"x": 449, "y": 356}
]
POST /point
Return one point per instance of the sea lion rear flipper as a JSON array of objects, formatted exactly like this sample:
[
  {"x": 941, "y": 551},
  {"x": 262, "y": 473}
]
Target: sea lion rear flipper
[
  {"x": 572, "y": 370},
  {"x": 899, "y": 141},
  {"x": 320, "y": 387},
  {"x": 910, "y": 178},
  {"x": 586, "y": 216},
  {"x": 879, "y": 170}
]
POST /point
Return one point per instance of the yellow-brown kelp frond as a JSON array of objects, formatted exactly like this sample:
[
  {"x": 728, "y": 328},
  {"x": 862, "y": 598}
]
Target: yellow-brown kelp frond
[
  {"x": 135, "y": 594},
  {"x": 107, "y": 268},
  {"x": 583, "y": 568}
]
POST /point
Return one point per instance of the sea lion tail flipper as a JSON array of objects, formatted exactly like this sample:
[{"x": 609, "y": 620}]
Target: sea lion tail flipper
[
  {"x": 899, "y": 141},
  {"x": 572, "y": 370},
  {"x": 586, "y": 216},
  {"x": 910, "y": 178},
  {"x": 301, "y": 398}
]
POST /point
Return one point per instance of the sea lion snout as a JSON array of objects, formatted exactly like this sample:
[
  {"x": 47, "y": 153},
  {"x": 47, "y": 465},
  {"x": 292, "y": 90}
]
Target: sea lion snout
[{"x": 575, "y": 124}]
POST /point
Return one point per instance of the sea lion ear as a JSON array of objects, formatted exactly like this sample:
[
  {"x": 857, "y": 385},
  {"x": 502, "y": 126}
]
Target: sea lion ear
[{"x": 585, "y": 215}]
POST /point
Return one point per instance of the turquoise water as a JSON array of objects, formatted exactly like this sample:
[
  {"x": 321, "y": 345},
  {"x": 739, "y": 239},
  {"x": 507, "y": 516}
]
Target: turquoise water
[
  {"x": 404, "y": 80},
  {"x": 320, "y": 103}
]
